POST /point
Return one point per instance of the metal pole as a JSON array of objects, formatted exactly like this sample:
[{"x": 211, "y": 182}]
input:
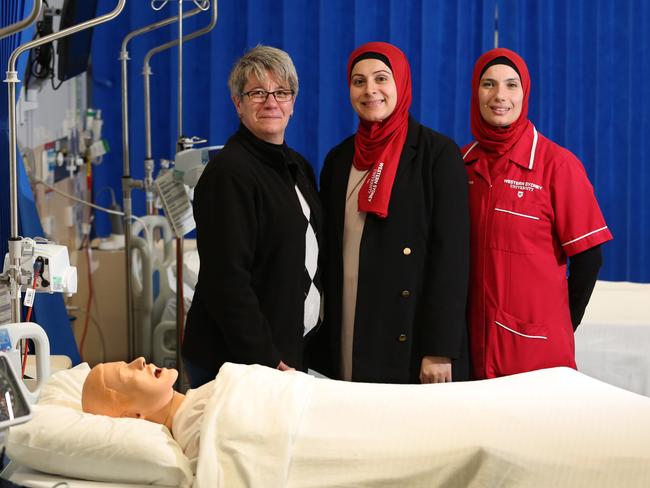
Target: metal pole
[
  {"x": 146, "y": 70},
  {"x": 180, "y": 301},
  {"x": 26, "y": 22},
  {"x": 15, "y": 242},
  {"x": 127, "y": 183},
  {"x": 179, "y": 242},
  {"x": 12, "y": 79}
]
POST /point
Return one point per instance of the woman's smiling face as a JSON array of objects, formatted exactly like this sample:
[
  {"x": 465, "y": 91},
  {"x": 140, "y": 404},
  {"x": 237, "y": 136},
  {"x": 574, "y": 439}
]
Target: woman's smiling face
[
  {"x": 500, "y": 95},
  {"x": 373, "y": 92}
]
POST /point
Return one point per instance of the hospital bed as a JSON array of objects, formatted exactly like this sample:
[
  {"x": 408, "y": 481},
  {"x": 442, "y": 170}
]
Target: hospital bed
[
  {"x": 613, "y": 341},
  {"x": 153, "y": 287},
  {"x": 35, "y": 479},
  {"x": 554, "y": 427}
]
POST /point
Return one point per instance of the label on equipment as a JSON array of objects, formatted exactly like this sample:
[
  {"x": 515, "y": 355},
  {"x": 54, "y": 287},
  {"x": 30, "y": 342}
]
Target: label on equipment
[
  {"x": 57, "y": 283},
  {"x": 29, "y": 297},
  {"x": 176, "y": 203}
]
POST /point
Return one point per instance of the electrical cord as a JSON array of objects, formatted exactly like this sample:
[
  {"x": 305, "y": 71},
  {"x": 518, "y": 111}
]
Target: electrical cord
[
  {"x": 112, "y": 192},
  {"x": 100, "y": 334},
  {"x": 103, "y": 209},
  {"x": 88, "y": 303},
  {"x": 40, "y": 64},
  {"x": 76, "y": 199},
  {"x": 39, "y": 264}
]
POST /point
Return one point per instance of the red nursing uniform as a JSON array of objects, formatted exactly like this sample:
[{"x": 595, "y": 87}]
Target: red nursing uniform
[{"x": 525, "y": 222}]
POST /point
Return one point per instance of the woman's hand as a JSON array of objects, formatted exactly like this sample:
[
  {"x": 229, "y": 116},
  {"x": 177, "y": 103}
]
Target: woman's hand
[
  {"x": 284, "y": 367},
  {"x": 435, "y": 369}
]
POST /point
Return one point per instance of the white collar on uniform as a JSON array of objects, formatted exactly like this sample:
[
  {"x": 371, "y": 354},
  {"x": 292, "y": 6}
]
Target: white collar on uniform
[{"x": 532, "y": 150}]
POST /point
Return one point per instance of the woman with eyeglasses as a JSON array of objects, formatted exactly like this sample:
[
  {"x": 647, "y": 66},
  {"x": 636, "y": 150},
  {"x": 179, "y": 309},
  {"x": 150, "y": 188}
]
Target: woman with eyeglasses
[
  {"x": 396, "y": 237},
  {"x": 532, "y": 208},
  {"x": 257, "y": 215}
]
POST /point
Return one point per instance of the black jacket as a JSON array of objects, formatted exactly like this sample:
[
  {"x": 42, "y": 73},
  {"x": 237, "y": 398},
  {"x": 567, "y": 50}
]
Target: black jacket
[
  {"x": 409, "y": 305},
  {"x": 249, "y": 301}
]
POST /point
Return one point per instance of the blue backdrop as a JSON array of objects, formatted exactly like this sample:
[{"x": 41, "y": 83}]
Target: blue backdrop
[
  {"x": 589, "y": 64},
  {"x": 588, "y": 61}
]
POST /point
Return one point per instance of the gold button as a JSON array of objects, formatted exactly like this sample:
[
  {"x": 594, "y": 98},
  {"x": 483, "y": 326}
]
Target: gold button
[
  {"x": 402, "y": 338},
  {"x": 406, "y": 251},
  {"x": 405, "y": 293}
]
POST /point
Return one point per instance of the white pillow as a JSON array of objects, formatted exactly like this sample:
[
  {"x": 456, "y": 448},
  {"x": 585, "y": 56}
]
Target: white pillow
[
  {"x": 61, "y": 439},
  {"x": 64, "y": 387}
]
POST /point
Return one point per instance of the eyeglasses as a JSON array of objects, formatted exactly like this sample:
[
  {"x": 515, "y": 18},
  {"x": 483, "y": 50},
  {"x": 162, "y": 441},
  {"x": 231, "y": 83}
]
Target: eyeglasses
[{"x": 260, "y": 96}]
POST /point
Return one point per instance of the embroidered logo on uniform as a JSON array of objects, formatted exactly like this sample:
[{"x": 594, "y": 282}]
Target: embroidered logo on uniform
[
  {"x": 523, "y": 186},
  {"x": 471, "y": 182}
]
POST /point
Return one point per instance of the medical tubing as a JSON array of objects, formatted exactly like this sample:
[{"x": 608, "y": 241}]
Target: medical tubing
[
  {"x": 97, "y": 207},
  {"x": 88, "y": 303},
  {"x": 38, "y": 265},
  {"x": 12, "y": 80},
  {"x": 76, "y": 199},
  {"x": 100, "y": 334}
]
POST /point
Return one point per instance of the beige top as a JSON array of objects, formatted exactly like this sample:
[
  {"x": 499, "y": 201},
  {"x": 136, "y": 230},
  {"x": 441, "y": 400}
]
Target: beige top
[{"x": 352, "y": 232}]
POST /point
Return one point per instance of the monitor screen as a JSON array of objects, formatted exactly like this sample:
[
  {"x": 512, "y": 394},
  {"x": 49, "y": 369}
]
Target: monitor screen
[
  {"x": 14, "y": 408},
  {"x": 74, "y": 51}
]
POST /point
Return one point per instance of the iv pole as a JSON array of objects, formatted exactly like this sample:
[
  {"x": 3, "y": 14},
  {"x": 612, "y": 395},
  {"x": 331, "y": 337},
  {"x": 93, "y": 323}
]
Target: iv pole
[
  {"x": 12, "y": 80},
  {"x": 129, "y": 184},
  {"x": 147, "y": 74},
  {"x": 22, "y": 24}
]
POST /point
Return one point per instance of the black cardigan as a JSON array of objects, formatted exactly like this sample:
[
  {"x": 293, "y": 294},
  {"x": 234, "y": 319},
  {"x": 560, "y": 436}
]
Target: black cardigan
[
  {"x": 409, "y": 304},
  {"x": 249, "y": 301}
]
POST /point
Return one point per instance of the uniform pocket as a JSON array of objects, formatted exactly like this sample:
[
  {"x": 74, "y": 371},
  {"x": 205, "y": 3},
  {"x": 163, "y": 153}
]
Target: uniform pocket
[
  {"x": 518, "y": 226},
  {"x": 517, "y": 346}
]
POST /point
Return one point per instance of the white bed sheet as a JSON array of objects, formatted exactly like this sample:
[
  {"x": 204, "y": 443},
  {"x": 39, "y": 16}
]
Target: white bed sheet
[
  {"x": 554, "y": 427},
  {"x": 613, "y": 341}
]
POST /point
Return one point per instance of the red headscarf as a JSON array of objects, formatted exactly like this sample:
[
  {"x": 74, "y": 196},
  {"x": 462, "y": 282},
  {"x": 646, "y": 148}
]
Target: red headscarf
[
  {"x": 378, "y": 145},
  {"x": 491, "y": 138}
]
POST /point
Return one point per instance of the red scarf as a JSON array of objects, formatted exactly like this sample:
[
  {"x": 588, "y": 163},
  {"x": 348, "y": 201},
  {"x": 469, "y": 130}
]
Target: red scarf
[
  {"x": 378, "y": 145},
  {"x": 498, "y": 139}
]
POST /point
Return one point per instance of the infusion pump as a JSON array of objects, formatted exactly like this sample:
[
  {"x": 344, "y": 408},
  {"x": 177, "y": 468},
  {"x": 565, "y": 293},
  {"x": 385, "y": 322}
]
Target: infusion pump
[{"x": 49, "y": 263}]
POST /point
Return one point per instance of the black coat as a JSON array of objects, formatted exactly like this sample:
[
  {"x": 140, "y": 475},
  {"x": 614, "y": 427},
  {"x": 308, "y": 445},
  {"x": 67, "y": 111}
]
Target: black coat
[
  {"x": 249, "y": 301},
  {"x": 409, "y": 304}
]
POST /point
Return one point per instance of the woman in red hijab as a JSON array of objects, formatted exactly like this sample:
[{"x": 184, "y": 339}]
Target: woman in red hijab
[
  {"x": 396, "y": 237},
  {"x": 531, "y": 207}
]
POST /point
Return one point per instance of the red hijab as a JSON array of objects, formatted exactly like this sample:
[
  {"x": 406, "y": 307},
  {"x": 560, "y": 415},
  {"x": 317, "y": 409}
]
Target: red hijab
[
  {"x": 378, "y": 145},
  {"x": 498, "y": 139}
]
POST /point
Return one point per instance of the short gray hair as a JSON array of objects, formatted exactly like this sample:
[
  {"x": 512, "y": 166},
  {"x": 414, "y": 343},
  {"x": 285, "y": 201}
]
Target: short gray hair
[{"x": 257, "y": 62}]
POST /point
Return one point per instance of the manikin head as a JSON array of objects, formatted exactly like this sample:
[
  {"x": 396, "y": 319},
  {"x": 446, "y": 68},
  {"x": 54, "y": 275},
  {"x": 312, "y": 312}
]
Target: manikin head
[{"x": 135, "y": 390}]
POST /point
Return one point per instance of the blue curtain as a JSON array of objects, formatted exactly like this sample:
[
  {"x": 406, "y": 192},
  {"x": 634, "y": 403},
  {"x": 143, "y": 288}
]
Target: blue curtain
[
  {"x": 588, "y": 62},
  {"x": 590, "y": 66},
  {"x": 49, "y": 310},
  {"x": 441, "y": 39},
  {"x": 10, "y": 13}
]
